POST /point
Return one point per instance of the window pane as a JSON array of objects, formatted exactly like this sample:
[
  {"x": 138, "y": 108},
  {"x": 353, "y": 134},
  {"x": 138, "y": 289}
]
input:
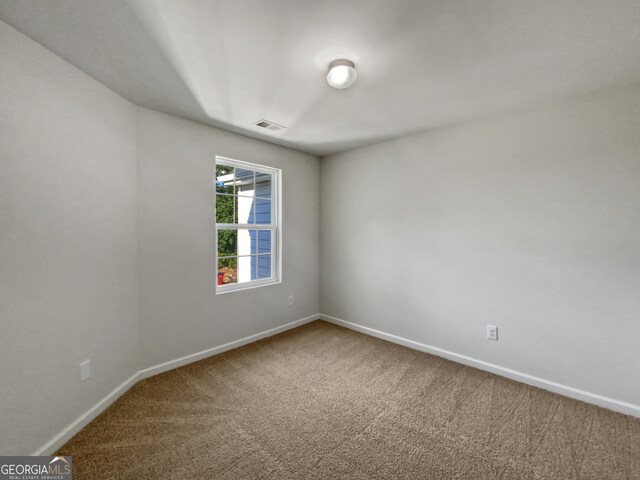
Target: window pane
[
  {"x": 227, "y": 243},
  {"x": 263, "y": 185},
  {"x": 245, "y": 210},
  {"x": 254, "y": 267},
  {"x": 263, "y": 211},
  {"x": 246, "y": 269},
  {"x": 243, "y": 201},
  {"x": 222, "y": 170},
  {"x": 247, "y": 242},
  {"x": 264, "y": 241},
  {"x": 264, "y": 266},
  {"x": 227, "y": 271},
  {"x": 244, "y": 182},
  {"x": 224, "y": 179},
  {"x": 224, "y": 209}
]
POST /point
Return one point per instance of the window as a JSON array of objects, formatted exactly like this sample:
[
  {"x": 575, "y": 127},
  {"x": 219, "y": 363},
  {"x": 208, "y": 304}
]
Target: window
[{"x": 247, "y": 225}]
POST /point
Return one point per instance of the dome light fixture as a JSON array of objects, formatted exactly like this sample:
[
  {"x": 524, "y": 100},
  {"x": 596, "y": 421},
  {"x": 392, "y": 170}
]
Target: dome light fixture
[{"x": 342, "y": 74}]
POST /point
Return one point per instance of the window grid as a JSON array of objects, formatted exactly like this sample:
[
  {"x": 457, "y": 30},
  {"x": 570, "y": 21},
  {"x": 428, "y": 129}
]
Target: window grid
[{"x": 256, "y": 246}]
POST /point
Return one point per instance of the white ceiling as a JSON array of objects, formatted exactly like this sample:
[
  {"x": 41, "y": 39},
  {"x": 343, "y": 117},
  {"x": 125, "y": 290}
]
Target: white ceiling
[{"x": 422, "y": 64}]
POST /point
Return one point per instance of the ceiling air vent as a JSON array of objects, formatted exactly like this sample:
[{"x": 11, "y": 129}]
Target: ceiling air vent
[{"x": 274, "y": 127}]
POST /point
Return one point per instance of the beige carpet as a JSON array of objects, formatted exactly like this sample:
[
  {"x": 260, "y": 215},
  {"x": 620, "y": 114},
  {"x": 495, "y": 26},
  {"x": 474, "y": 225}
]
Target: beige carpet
[{"x": 323, "y": 402}]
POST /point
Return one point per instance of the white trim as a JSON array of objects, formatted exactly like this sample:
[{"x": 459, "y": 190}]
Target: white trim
[
  {"x": 194, "y": 357},
  {"x": 275, "y": 226},
  {"x": 245, "y": 226},
  {"x": 236, "y": 287},
  {"x": 232, "y": 162},
  {"x": 68, "y": 432},
  {"x": 567, "y": 391},
  {"x": 65, "y": 435}
]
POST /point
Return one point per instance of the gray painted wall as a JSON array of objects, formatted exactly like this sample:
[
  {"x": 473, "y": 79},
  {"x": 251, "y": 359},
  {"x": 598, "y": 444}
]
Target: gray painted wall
[
  {"x": 68, "y": 281},
  {"x": 528, "y": 221},
  {"x": 180, "y": 313},
  {"x": 82, "y": 172}
]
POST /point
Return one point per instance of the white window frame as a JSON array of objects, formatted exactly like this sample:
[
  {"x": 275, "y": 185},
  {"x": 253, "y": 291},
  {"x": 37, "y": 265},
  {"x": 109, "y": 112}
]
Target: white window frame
[{"x": 275, "y": 227}]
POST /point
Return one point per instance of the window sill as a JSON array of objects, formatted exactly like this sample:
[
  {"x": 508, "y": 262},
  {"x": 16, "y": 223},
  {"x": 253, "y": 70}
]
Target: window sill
[{"x": 220, "y": 289}]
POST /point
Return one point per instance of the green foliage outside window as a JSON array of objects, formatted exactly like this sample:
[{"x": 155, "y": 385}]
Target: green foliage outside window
[{"x": 227, "y": 239}]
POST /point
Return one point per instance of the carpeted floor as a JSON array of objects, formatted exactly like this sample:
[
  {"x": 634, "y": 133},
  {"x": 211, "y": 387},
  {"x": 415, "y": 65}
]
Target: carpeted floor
[{"x": 323, "y": 402}]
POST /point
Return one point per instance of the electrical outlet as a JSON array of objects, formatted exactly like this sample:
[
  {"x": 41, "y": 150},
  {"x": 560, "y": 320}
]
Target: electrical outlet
[
  {"x": 85, "y": 370},
  {"x": 290, "y": 299},
  {"x": 492, "y": 332}
]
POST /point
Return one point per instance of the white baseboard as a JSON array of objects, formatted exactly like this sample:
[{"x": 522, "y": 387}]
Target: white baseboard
[
  {"x": 194, "y": 357},
  {"x": 67, "y": 433},
  {"x": 588, "y": 397}
]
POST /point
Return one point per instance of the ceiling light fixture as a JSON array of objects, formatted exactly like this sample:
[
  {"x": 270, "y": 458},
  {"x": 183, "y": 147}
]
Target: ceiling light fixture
[{"x": 342, "y": 74}]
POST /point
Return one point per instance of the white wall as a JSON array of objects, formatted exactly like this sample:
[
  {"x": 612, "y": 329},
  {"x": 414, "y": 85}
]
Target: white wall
[
  {"x": 528, "y": 221},
  {"x": 180, "y": 312},
  {"x": 82, "y": 173},
  {"x": 68, "y": 288}
]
